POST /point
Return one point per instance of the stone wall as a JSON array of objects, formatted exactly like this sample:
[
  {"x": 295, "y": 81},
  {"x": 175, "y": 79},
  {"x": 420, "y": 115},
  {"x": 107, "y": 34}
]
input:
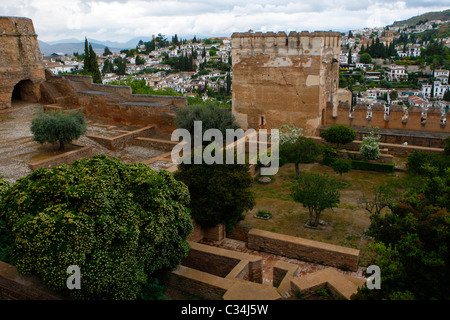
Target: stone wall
[
  {"x": 123, "y": 140},
  {"x": 67, "y": 158},
  {"x": 281, "y": 79},
  {"x": 112, "y": 103},
  {"x": 21, "y": 63},
  {"x": 210, "y": 273},
  {"x": 14, "y": 286},
  {"x": 303, "y": 249}
]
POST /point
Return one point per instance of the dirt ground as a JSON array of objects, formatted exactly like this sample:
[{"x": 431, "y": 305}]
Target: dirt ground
[
  {"x": 18, "y": 149},
  {"x": 344, "y": 225}
]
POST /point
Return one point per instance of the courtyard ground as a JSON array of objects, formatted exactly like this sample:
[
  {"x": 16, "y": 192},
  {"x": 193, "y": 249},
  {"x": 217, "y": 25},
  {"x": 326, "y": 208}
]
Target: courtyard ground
[
  {"x": 18, "y": 149},
  {"x": 344, "y": 225}
]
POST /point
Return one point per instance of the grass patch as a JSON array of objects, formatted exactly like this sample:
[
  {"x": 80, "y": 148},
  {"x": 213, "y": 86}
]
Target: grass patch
[{"x": 345, "y": 225}]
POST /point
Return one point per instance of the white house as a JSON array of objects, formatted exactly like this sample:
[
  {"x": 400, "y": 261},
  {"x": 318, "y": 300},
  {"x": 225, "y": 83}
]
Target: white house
[
  {"x": 396, "y": 73},
  {"x": 442, "y": 75}
]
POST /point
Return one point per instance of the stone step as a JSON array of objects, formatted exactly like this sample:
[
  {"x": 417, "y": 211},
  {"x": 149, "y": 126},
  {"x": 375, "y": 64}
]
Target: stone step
[{"x": 340, "y": 284}]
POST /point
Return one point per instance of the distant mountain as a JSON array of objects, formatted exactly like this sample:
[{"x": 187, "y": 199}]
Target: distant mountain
[
  {"x": 441, "y": 15},
  {"x": 70, "y": 47}
]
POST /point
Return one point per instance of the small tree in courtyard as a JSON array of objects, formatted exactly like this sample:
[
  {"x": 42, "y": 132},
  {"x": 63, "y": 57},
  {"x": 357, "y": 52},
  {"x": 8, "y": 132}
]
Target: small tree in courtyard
[
  {"x": 62, "y": 127},
  {"x": 341, "y": 166},
  {"x": 339, "y": 134},
  {"x": 302, "y": 150},
  {"x": 317, "y": 192}
]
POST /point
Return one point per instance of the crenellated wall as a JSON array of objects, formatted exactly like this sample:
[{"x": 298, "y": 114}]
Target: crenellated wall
[{"x": 282, "y": 79}]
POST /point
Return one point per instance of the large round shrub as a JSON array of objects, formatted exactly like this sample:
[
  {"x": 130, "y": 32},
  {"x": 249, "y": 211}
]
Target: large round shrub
[
  {"x": 119, "y": 223},
  {"x": 339, "y": 134}
]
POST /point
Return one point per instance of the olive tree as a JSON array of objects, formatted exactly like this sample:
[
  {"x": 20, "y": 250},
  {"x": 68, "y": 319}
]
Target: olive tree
[
  {"x": 58, "y": 126},
  {"x": 119, "y": 223}
]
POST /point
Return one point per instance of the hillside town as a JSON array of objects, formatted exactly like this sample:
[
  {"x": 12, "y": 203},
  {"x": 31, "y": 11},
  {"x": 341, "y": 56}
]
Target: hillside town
[{"x": 405, "y": 74}]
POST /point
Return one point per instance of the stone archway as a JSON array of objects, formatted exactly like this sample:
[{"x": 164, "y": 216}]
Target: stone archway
[{"x": 25, "y": 90}]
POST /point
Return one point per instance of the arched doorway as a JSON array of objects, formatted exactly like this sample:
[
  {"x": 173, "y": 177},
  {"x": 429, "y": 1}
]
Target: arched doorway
[{"x": 24, "y": 90}]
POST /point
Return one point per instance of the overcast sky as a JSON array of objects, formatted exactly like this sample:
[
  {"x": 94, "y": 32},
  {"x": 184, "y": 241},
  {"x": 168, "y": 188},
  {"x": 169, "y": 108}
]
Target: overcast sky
[{"x": 122, "y": 20}]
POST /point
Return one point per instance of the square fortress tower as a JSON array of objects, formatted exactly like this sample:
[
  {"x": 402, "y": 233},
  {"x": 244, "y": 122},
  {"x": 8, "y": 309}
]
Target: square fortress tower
[
  {"x": 21, "y": 64},
  {"x": 279, "y": 79}
]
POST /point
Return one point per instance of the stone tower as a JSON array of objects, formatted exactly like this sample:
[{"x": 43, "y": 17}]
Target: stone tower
[
  {"x": 21, "y": 64},
  {"x": 279, "y": 79}
]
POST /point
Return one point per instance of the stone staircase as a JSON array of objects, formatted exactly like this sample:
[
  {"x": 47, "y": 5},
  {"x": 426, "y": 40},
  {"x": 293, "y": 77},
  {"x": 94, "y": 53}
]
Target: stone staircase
[{"x": 340, "y": 285}]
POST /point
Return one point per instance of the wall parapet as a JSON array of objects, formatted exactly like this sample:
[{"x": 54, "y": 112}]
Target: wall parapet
[{"x": 290, "y": 44}]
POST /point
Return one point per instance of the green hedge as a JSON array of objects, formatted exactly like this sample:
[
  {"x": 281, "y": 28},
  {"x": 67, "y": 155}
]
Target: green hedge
[{"x": 369, "y": 166}]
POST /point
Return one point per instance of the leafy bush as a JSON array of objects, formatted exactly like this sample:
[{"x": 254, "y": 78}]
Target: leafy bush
[
  {"x": 369, "y": 166},
  {"x": 447, "y": 142},
  {"x": 62, "y": 127},
  {"x": 290, "y": 133},
  {"x": 339, "y": 134},
  {"x": 119, "y": 223},
  {"x": 369, "y": 147},
  {"x": 330, "y": 154},
  {"x": 419, "y": 160},
  {"x": 5, "y": 239}
]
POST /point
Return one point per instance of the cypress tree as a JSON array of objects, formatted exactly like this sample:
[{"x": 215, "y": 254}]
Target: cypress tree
[
  {"x": 93, "y": 64},
  {"x": 87, "y": 59}
]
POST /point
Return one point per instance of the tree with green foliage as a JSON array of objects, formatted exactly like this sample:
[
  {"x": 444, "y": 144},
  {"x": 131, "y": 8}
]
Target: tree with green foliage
[
  {"x": 302, "y": 150},
  {"x": 90, "y": 63},
  {"x": 139, "y": 60},
  {"x": 316, "y": 192},
  {"x": 228, "y": 83},
  {"x": 447, "y": 95},
  {"x": 411, "y": 245},
  {"x": 58, "y": 126},
  {"x": 339, "y": 134},
  {"x": 341, "y": 166},
  {"x": 220, "y": 193},
  {"x": 119, "y": 223},
  {"x": 211, "y": 116},
  {"x": 87, "y": 60},
  {"x": 106, "y": 52},
  {"x": 108, "y": 66},
  {"x": 349, "y": 57},
  {"x": 365, "y": 58}
]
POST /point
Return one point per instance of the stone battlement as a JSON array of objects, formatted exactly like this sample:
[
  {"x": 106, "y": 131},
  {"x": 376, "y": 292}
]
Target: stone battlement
[{"x": 295, "y": 43}]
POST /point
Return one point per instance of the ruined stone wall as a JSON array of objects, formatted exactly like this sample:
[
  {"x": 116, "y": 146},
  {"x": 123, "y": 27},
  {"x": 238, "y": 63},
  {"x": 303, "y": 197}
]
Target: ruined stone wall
[
  {"x": 20, "y": 60},
  {"x": 280, "y": 79},
  {"x": 303, "y": 249}
]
